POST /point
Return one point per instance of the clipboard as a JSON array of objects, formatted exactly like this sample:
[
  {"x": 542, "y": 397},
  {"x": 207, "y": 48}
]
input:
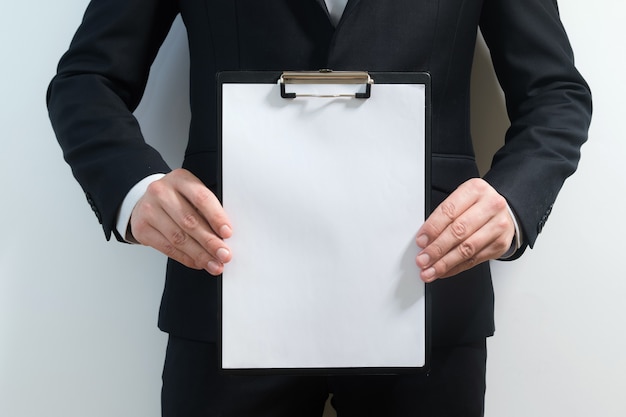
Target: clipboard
[{"x": 326, "y": 179}]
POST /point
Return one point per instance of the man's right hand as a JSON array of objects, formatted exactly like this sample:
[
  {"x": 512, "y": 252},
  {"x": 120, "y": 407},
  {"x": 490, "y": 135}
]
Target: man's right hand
[{"x": 180, "y": 217}]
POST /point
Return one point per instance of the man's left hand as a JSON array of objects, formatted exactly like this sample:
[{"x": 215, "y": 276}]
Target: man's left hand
[{"x": 471, "y": 226}]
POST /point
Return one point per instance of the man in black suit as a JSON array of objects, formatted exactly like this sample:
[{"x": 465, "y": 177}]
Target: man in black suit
[{"x": 138, "y": 198}]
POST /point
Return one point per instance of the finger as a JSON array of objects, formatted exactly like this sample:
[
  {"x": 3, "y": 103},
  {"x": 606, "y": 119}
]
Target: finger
[
  {"x": 206, "y": 203},
  {"x": 189, "y": 223},
  {"x": 189, "y": 228},
  {"x": 154, "y": 238},
  {"x": 485, "y": 255},
  {"x": 488, "y": 242},
  {"x": 154, "y": 227},
  {"x": 450, "y": 209},
  {"x": 456, "y": 232},
  {"x": 473, "y": 219},
  {"x": 201, "y": 260}
]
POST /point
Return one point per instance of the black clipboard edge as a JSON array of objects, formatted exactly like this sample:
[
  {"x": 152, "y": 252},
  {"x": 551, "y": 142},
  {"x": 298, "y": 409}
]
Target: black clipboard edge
[{"x": 272, "y": 77}]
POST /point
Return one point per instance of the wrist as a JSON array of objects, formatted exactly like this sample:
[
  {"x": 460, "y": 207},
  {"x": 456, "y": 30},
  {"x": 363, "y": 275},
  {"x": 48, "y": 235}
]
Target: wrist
[{"x": 122, "y": 224}]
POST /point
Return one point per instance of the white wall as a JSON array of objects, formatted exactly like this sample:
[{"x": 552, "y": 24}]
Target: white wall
[
  {"x": 560, "y": 311},
  {"x": 64, "y": 351}
]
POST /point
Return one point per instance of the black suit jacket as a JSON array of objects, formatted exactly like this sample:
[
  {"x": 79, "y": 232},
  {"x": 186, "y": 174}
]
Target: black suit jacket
[{"x": 101, "y": 79}]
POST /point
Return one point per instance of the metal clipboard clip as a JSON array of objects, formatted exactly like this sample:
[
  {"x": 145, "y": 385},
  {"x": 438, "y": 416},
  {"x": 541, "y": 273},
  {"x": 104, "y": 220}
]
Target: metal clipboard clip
[{"x": 326, "y": 77}]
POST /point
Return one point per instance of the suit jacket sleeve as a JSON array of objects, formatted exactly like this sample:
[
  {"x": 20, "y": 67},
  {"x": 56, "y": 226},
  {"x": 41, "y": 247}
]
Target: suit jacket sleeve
[
  {"x": 548, "y": 103},
  {"x": 99, "y": 83}
]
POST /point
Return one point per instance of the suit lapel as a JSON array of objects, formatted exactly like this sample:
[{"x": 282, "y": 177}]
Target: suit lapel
[
  {"x": 322, "y": 4},
  {"x": 350, "y": 6}
]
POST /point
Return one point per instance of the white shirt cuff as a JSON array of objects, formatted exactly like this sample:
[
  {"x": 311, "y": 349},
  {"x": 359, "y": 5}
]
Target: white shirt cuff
[
  {"x": 128, "y": 204},
  {"x": 517, "y": 239}
]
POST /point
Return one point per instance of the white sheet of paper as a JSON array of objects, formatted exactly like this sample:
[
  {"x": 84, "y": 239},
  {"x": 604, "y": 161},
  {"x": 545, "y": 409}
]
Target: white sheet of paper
[{"x": 325, "y": 197}]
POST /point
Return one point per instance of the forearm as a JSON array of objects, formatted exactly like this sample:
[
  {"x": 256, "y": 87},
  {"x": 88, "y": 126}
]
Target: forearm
[
  {"x": 99, "y": 83},
  {"x": 548, "y": 102}
]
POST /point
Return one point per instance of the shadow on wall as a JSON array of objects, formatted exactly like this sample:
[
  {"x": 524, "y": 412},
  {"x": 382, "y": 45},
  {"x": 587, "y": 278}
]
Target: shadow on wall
[{"x": 489, "y": 120}]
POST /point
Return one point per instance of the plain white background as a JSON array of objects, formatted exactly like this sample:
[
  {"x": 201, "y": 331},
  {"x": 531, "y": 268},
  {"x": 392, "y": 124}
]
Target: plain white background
[{"x": 78, "y": 314}]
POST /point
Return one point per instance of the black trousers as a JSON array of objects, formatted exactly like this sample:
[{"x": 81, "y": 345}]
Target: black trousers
[{"x": 193, "y": 387}]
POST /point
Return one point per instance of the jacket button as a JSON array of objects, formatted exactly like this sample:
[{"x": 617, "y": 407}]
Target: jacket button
[
  {"x": 544, "y": 219},
  {"x": 93, "y": 206}
]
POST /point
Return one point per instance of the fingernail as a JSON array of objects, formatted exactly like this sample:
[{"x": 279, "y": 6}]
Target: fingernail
[
  {"x": 422, "y": 241},
  {"x": 222, "y": 254},
  {"x": 428, "y": 274},
  {"x": 225, "y": 231},
  {"x": 213, "y": 268},
  {"x": 423, "y": 259}
]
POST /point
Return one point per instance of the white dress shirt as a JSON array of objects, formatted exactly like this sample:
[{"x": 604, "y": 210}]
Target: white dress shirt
[{"x": 335, "y": 9}]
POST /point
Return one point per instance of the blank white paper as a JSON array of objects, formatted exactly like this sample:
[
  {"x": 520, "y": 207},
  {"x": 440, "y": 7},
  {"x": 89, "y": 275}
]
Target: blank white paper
[{"x": 325, "y": 197}]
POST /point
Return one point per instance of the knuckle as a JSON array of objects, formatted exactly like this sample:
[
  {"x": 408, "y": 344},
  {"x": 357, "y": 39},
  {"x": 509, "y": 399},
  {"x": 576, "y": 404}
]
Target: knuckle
[
  {"x": 189, "y": 221},
  {"x": 169, "y": 250},
  {"x": 499, "y": 203},
  {"x": 448, "y": 209},
  {"x": 142, "y": 210},
  {"x": 458, "y": 229},
  {"x": 200, "y": 197},
  {"x": 155, "y": 188},
  {"x": 478, "y": 184},
  {"x": 502, "y": 245},
  {"x": 472, "y": 187},
  {"x": 178, "y": 238},
  {"x": 503, "y": 222},
  {"x": 138, "y": 226},
  {"x": 470, "y": 262},
  {"x": 467, "y": 250},
  {"x": 437, "y": 250}
]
